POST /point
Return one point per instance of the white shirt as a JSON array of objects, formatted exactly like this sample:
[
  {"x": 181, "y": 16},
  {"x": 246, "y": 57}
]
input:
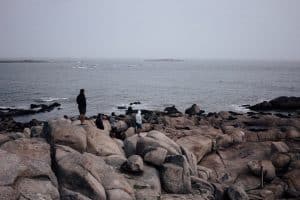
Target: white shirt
[{"x": 138, "y": 118}]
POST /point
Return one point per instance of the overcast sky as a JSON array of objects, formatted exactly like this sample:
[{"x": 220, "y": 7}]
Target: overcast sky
[{"x": 231, "y": 29}]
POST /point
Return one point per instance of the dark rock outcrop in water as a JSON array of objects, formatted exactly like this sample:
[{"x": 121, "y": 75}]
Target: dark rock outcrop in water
[
  {"x": 34, "y": 109},
  {"x": 280, "y": 104},
  {"x": 172, "y": 110},
  {"x": 216, "y": 156},
  {"x": 194, "y": 110}
]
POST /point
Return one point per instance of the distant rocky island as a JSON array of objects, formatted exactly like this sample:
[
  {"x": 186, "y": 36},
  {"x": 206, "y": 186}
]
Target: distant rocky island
[
  {"x": 164, "y": 60},
  {"x": 192, "y": 156},
  {"x": 23, "y": 61}
]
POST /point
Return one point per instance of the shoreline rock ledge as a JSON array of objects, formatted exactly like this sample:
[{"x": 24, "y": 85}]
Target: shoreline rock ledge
[
  {"x": 278, "y": 104},
  {"x": 190, "y": 156}
]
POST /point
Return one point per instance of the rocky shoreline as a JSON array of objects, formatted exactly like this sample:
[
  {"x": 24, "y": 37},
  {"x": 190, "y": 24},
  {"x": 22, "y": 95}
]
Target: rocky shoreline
[
  {"x": 34, "y": 109},
  {"x": 191, "y": 155}
]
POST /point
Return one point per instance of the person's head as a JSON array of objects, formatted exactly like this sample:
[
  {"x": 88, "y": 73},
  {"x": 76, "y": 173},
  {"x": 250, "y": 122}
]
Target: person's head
[
  {"x": 113, "y": 114},
  {"x": 100, "y": 116},
  {"x": 81, "y": 91},
  {"x": 139, "y": 112}
]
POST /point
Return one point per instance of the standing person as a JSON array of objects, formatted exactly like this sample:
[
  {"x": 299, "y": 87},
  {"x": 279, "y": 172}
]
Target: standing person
[
  {"x": 99, "y": 122},
  {"x": 81, "y": 101},
  {"x": 138, "y": 122},
  {"x": 112, "y": 121}
]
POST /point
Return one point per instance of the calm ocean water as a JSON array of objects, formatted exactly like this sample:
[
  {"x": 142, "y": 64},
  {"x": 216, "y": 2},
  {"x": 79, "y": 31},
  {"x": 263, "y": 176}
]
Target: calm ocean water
[{"x": 214, "y": 85}]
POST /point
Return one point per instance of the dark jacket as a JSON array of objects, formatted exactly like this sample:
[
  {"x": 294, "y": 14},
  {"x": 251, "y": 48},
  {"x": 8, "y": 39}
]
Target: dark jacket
[
  {"x": 81, "y": 101},
  {"x": 99, "y": 123}
]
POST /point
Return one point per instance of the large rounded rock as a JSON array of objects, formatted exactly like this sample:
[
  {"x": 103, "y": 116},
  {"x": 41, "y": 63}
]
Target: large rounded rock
[
  {"x": 134, "y": 164},
  {"x": 178, "y": 122},
  {"x": 280, "y": 160},
  {"x": 129, "y": 132},
  {"x": 293, "y": 181},
  {"x": 146, "y": 127},
  {"x": 37, "y": 189},
  {"x": 156, "y": 156},
  {"x": 36, "y": 131},
  {"x": 34, "y": 148},
  {"x": 279, "y": 147},
  {"x": 9, "y": 167},
  {"x": 4, "y": 138},
  {"x": 130, "y": 145},
  {"x": 90, "y": 176},
  {"x": 100, "y": 143},
  {"x": 249, "y": 181},
  {"x": 107, "y": 126},
  {"x": 224, "y": 141},
  {"x": 166, "y": 141},
  {"x": 115, "y": 161},
  {"x": 155, "y": 139},
  {"x": 26, "y": 176},
  {"x": 293, "y": 134},
  {"x": 237, "y": 135},
  {"x": 27, "y": 132},
  {"x": 267, "y": 167},
  {"x": 214, "y": 162},
  {"x": 69, "y": 195},
  {"x": 175, "y": 175},
  {"x": 8, "y": 193},
  {"x": 192, "y": 160},
  {"x": 64, "y": 133},
  {"x": 197, "y": 144},
  {"x": 236, "y": 192},
  {"x": 204, "y": 186},
  {"x": 204, "y": 172},
  {"x": 147, "y": 185},
  {"x": 262, "y": 194},
  {"x": 121, "y": 126}
]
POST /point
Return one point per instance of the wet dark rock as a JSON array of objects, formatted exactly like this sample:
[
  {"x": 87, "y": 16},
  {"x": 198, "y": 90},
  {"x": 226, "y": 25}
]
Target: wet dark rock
[
  {"x": 212, "y": 114},
  {"x": 193, "y": 110},
  {"x": 235, "y": 113},
  {"x": 279, "y": 103},
  {"x": 251, "y": 113},
  {"x": 12, "y": 112},
  {"x": 121, "y": 107},
  {"x": 135, "y": 103},
  {"x": 282, "y": 115},
  {"x": 231, "y": 118},
  {"x": 171, "y": 110},
  {"x": 33, "y": 106}
]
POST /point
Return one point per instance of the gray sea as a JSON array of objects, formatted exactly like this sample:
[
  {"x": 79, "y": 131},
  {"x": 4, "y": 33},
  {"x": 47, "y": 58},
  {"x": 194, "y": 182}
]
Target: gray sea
[{"x": 214, "y": 85}]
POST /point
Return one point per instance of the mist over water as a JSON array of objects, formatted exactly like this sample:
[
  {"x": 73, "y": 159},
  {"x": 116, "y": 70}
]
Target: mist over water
[{"x": 214, "y": 85}]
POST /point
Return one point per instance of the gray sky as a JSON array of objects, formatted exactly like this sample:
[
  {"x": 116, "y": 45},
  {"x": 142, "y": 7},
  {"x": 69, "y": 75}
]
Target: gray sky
[{"x": 231, "y": 29}]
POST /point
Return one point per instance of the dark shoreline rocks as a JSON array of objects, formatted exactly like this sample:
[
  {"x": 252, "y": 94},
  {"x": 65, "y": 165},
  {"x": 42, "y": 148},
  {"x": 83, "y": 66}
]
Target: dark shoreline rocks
[
  {"x": 278, "y": 104},
  {"x": 10, "y": 125},
  {"x": 34, "y": 109}
]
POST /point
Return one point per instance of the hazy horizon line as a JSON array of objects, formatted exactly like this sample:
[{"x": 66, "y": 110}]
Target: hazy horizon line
[{"x": 145, "y": 58}]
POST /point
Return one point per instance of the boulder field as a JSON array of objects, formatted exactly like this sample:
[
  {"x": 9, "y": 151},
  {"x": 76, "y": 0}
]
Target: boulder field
[{"x": 223, "y": 155}]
